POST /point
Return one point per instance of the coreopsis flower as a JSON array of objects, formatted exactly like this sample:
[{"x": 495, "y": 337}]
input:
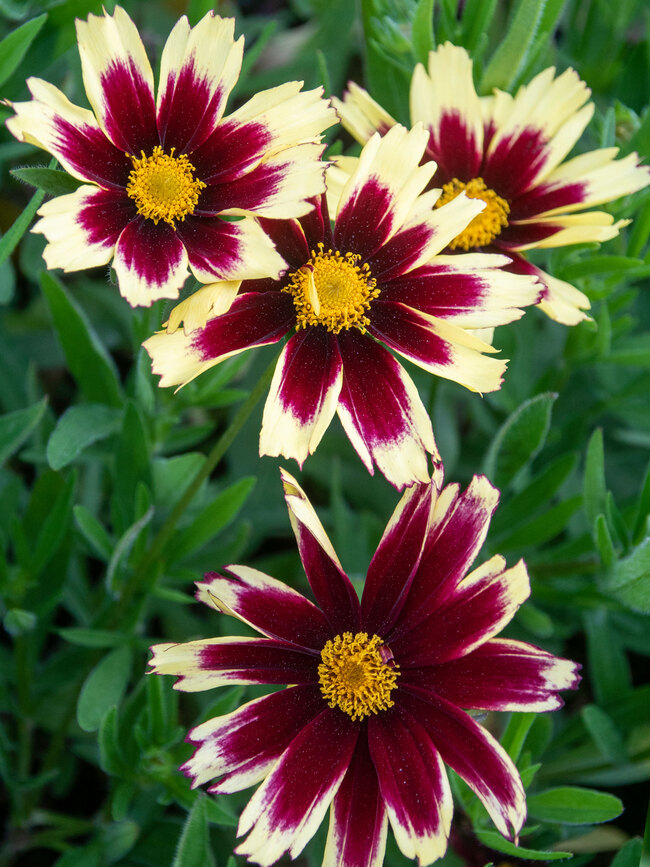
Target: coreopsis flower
[
  {"x": 375, "y": 275},
  {"x": 377, "y": 690},
  {"x": 161, "y": 173},
  {"x": 509, "y": 151}
]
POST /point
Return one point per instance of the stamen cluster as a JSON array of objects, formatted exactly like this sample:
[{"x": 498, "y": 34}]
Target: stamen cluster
[
  {"x": 487, "y": 225},
  {"x": 163, "y": 186}
]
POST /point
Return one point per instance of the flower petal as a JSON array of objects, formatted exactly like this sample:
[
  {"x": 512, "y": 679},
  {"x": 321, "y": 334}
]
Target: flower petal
[
  {"x": 245, "y": 744},
  {"x": 482, "y": 604},
  {"x": 269, "y": 606},
  {"x": 360, "y": 115},
  {"x": 71, "y": 134},
  {"x": 82, "y": 228},
  {"x": 437, "y": 346},
  {"x": 413, "y": 783},
  {"x": 198, "y": 70},
  {"x": 212, "y": 662},
  {"x": 118, "y": 80},
  {"x": 475, "y": 756},
  {"x": 303, "y": 395},
  {"x": 254, "y": 319},
  {"x": 380, "y": 195},
  {"x": 287, "y": 809},
  {"x": 223, "y": 250},
  {"x": 358, "y": 821},
  {"x": 458, "y": 528},
  {"x": 150, "y": 262},
  {"x": 396, "y": 559},
  {"x": 501, "y": 675},
  {"x": 382, "y": 414},
  {"x": 444, "y": 100},
  {"x": 332, "y": 588},
  {"x": 206, "y": 303},
  {"x": 470, "y": 290},
  {"x": 560, "y": 300}
]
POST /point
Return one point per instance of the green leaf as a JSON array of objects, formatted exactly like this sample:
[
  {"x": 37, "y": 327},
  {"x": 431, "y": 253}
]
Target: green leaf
[
  {"x": 608, "y": 668},
  {"x": 594, "y": 486},
  {"x": 84, "y": 637},
  {"x": 15, "y": 232},
  {"x": 212, "y": 519},
  {"x": 477, "y": 15},
  {"x": 54, "y": 182},
  {"x": 88, "y": 360},
  {"x": 118, "y": 839},
  {"x": 218, "y": 814},
  {"x": 193, "y": 845},
  {"x": 79, "y": 427},
  {"x": 104, "y": 687},
  {"x": 16, "y": 426},
  {"x": 605, "y": 733},
  {"x": 519, "y": 439},
  {"x": 509, "y": 60},
  {"x": 94, "y": 532},
  {"x": 628, "y": 580},
  {"x": 570, "y": 805},
  {"x": 14, "y": 46},
  {"x": 422, "y": 31},
  {"x": 111, "y": 758},
  {"x": 123, "y": 549},
  {"x": 643, "y": 509},
  {"x": 543, "y": 528},
  {"x": 629, "y": 855},
  {"x": 131, "y": 460},
  {"x": 604, "y": 542},
  {"x": 494, "y": 840},
  {"x": 515, "y": 733},
  {"x": 17, "y": 621},
  {"x": 54, "y": 527}
]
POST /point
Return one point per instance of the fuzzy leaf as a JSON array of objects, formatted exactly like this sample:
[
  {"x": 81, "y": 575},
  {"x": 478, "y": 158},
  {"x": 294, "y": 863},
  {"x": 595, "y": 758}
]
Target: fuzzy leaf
[
  {"x": 54, "y": 182},
  {"x": 510, "y": 57},
  {"x": 16, "y": 426},
  {"x": 570, "y": 805},
  {"x": 79, "y": 427}
]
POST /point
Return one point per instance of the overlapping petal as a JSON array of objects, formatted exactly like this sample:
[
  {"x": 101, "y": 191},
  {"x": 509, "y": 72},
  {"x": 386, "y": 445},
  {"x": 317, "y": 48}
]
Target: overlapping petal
[{"x": 150, "y": 262}]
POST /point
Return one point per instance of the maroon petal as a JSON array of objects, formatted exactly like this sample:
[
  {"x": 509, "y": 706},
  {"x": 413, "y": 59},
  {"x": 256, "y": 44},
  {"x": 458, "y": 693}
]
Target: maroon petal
[
  {"x": 268, "y": 605},
  {"x": 475, "y": 756},
  {"x": 150, "y": 262},
  {"x": 405, "y": 331},
  {"x": 546, "y": 197},
  {"x": 287, "y": 809},
  {"x": 398, "y": 255},
  {"x": 453, "y": 146},
  {"x": 231, "y": 151},
  {"x": 254, "y": 319},
  {"x": 331, "y": 586},
  {"x": 395, "y": 561},
  {"x": 501, "y": 675},
  {"x": 520, "y": 234},
  {"x": 413, "y": 783},
  {"x": 317, "y": 226},
  {"x": 458, "y": 529},
  {"x": 289, "y": 239},
  {"x": 245, "y": 744},
  {"x": 105, "y": 215},
  {"x": 358, "y": 822},
  {"x": 258, "y": 660},
  {"x": 515, "y": 162},
  {"x": 439, "y": 290},
  {"x": 366, "y": 220}
]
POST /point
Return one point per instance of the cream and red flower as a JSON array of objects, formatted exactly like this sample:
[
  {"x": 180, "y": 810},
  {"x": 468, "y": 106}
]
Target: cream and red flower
[
  {"x": 160, "y": 173},
  {"x": 373, "y": 708},
  {"x": 373, "y": 276},
  {"x": 509, "y": 152}
]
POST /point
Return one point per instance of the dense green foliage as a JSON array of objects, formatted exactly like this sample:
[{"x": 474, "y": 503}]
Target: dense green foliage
[{"x": 114, "y": 499}]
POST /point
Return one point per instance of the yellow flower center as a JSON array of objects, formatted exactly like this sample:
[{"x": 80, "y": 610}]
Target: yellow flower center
[
  {"x": 333, "y": 290},
  {"x": 357, "y": 674},
  {"x": 485, "y": 227},
  {"x": 163, "y": 186}
]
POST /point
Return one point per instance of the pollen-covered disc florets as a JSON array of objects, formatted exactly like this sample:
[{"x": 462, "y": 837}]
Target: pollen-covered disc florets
[
  {"x": 333, "y": 290},
  {"x": 163, "y": 186},
  {"x": 357, "y": 674},
  {"x": 485, "y": 227}
]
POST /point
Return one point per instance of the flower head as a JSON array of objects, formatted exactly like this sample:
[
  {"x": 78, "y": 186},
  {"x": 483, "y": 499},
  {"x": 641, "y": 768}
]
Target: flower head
[
  {"x": 508, "y": 152},
  {"x": 372, "y": 280},
  {"x": 161, "y": 173},
  {"x": 373, "y": 708}
]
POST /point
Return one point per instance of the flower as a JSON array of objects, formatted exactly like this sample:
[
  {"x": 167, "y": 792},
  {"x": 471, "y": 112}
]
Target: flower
[
  {"x": 159, "y": 175},
  {"x": 509, "y": 152},
  {"x": 374, "y": 276},
  {"x": 372, "y": 709}
]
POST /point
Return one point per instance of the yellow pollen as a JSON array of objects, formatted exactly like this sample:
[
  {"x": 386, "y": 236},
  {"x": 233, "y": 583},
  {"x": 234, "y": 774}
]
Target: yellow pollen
[
  {"x": 357, "y": 674},
  {"x": 485, "y": 227},
  {"x": 163, "y": 186},
  {"x": 333, "y": 290}
]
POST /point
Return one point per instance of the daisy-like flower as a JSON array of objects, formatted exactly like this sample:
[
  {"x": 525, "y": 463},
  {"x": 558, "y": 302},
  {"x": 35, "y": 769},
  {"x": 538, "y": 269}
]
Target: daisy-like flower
[
  {"x": 509, "y": 151},
  {"x": 373, "y": 276},
  {"x": 373, "y": 709},
  {"x": 160, "y": 173}
]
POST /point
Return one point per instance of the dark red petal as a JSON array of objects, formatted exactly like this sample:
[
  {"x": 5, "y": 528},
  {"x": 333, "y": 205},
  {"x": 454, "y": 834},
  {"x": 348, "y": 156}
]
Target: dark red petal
[
  {"x": 399, "y": 254},
  {"x": 454, "y": 149},
  {"x": 91, "y": 154},
  {"x": 260, "y": 660},
  {"x": 187, "y": 109},
  {"x": 546, "y": 197},
  {"x": 366, "y": 220},
  {"x": 289, "y": 240},
  {"x": 105, "y": 215},
  {"x": 439, "y": 290},
  {"x": 515, "y": 162},
  {"x": 231, "y": 151},
  {"x": 405, "y": 331},
  {"x": 128, "y": 109}
]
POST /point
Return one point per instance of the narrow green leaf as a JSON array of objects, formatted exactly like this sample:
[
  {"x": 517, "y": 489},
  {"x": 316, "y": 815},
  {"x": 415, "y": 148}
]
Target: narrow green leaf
[
  {"x": 544, "y": 527},
  {"x": 84, "y": 637},
  {"x": 118, "y": 839},
  {"x": 422, "y": 31},
  {"x": 594, "y": 486},
  {"x": 88, "y": 360},
  {"x": 605, "y": 733},
  {"x": 15, "y": 232},
  {"x": 54, "y": 182},
  {"x": 16, "y": 426},
  {"x": 54, "y": 527},
  {"x": 643, "y": 509},
  {"x": 15, "y": 45},
  {"x": 477, "y": 16},
  {"x": 219, "y": 814},
  {"x": 510, "y": 58},
  {"x": 104, "y": 687},
  {"x": 519, "y": 439},
  {"x": 111, "y": 758},
  {"x": 628, "y": 579},
  {"x": 515, "y": 733},
  {"x": 494, "y": 840},
  {"x": 192, "y": 849},
  {"x": 570, "y": 805},
  {"x": 608, "y": 669},
  {"x": 123, "y": 549},
  {"x": 604, "y": 542},
  {"x": 629, "y": 855},
  {"x": 131, "y": 460},
  {"x": 212, "y": 519},
  {"x": 79, "y": 427},
  {"x": 94, "y": 532}
]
